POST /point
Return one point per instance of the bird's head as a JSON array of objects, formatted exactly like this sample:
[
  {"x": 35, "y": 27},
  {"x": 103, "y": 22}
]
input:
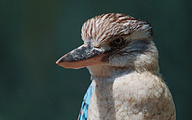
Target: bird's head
[{"x": 114, "y": 41}]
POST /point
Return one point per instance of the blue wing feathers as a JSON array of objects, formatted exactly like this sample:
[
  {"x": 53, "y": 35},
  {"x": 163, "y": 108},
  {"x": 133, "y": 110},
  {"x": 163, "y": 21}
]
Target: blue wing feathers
[{"x": 85, "y": 104}]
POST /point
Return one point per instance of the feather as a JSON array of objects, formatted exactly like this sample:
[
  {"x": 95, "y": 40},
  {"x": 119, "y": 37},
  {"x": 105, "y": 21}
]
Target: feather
[{"x": 85, "y": 104}]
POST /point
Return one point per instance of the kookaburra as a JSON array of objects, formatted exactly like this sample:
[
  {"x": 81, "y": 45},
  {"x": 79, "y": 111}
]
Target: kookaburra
[{"x": 122, "y": 59}]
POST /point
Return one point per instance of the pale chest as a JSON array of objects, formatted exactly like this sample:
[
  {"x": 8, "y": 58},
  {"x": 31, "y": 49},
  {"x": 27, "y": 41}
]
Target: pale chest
[{"x": 129, "y": 97}]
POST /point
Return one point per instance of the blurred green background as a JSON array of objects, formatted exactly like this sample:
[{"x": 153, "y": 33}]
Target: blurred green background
[{"x": 35, "y": 33}]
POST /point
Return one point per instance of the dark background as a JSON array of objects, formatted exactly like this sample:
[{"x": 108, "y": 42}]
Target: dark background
[{"x": 35, "y": 33}]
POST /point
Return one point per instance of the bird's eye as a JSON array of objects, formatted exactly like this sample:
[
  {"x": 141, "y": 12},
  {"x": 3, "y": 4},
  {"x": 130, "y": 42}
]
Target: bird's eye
[{"x": 118, "y": 41}]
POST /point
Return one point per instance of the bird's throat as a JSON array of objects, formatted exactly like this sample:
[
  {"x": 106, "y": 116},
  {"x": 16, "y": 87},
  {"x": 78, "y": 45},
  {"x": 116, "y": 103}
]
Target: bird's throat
[{"x": 105, "y": 71}]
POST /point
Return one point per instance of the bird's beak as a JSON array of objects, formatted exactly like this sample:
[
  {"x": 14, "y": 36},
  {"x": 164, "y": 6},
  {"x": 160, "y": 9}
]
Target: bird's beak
[{"x": 85, "y": 55}]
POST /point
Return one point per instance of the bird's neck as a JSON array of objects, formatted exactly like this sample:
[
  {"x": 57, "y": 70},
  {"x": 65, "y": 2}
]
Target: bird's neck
[
  {"x": 102, "y": 72},
  {"x": 106, "y": 71}
]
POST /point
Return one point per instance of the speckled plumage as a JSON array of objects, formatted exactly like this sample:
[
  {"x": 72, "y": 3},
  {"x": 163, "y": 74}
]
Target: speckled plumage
[
  {"x": 132, "y": 96},
  {"x": 122, "y": 59}
]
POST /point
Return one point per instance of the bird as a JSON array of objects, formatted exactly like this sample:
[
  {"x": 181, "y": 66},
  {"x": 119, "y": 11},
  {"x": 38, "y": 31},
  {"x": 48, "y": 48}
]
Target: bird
[{"x": 122, "y": 58}]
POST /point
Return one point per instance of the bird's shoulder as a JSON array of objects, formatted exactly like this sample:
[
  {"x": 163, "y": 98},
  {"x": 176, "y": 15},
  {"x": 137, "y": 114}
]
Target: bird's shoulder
[
  {"x": 144, "y": 81},
  {"x": 146, "y": 95}
]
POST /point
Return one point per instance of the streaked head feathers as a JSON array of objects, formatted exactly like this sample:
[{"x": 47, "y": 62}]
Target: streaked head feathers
[{"x": 112, "y": 25}]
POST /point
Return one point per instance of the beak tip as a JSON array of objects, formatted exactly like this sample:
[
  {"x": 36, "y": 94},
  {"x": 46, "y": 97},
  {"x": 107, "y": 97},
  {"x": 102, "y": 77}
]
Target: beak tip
[{"x": 59, "y": 61}]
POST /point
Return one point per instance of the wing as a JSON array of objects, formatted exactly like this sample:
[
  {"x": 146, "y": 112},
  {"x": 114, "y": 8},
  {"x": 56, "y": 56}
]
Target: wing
[{"x": 85, "y": 104}]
